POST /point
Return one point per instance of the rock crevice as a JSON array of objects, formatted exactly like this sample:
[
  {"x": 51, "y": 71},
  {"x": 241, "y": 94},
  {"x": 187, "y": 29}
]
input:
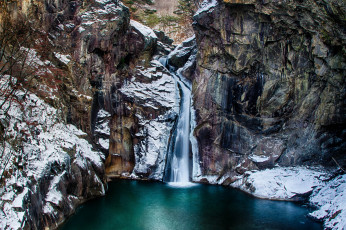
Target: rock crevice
[{"x": 266, "y": 90}]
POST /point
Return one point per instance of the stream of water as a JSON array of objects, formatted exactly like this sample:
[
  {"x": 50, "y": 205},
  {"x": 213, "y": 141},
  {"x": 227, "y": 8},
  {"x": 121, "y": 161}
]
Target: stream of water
[
  {"x": 139, "y": 205},
  {"x": 179, "y": 165}
]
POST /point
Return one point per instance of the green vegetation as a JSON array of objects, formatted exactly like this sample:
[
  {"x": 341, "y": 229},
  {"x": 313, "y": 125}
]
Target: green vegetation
[
  {"x": 151, "y": 20},
  {"x": 149, "y": 17},
  {"x": 186, "y": 8},
  {"x": 131, "y": 2},
  {"x": 178, "y": 26},
  {"x": 169, "y": 20}
]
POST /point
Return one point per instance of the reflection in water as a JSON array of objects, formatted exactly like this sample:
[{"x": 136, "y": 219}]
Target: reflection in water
[{"x": 138, "y": 205}]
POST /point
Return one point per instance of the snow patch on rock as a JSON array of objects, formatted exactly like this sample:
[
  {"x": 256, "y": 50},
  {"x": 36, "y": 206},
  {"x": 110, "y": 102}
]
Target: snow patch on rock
[
  {"x": 182, "y": 51},
  {"x": 102, "y": 125},
  {"x": 54, "y": 196},
  {"x": 104, "y": 143},
  {"x": 95, "y": 16},
  {"x": 47, "y": 150},
  {"x": 144, "y": 30},
  {"x": 154, "y": 89},
  {"x": 256, "y": 158},
  {"x": 160, "y": 92},
  {"x": 207, "y": 5},
  {"x": 151, "y": 152},
  {"x": 330, "y": 199},
  {"x": 328, "y": 195},
  {"x": 63, "y": 58},
  {"x": 281, "y": 183}
]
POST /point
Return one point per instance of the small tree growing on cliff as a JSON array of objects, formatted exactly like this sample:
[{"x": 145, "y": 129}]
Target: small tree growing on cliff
[
  {"x": 17, "y": 70},
  {"x": 185, "y": 10},
  {"x": 17, "y": 67},
  {"x": 21, "y": 71}
]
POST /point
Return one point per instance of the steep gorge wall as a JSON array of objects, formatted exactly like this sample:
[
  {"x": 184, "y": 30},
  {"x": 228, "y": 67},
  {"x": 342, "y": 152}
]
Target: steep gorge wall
[
  {"x": 110, "y": 88},
  {"x": 106, "y": 54},
  {"x": 269, "y": 87}
]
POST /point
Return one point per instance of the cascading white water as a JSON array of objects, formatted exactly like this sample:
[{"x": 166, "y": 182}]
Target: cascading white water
[
  {"x": 180, "y": 163},
  {"x": 178, "y": 166}
]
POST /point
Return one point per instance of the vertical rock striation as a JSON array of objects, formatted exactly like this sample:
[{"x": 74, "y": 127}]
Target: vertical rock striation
[
  {"x": 107, "y": 54},
  {"x": 269, "y": 87},
  {"x": 109, "y": 87}
]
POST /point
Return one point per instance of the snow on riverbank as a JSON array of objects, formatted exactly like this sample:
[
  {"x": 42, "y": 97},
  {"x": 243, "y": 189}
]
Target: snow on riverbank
[
  {"x": 281, "y": 183},
  {"x": 330, "y": 199},
  {"x": 290, "y": 183},
  {"x": 43, "y": 156}
]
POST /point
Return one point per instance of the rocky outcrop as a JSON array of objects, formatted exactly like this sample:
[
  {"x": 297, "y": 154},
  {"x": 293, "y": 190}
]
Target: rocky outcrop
[
  {"x": 141, "y": 100},
  {"x": 179, "y": 57},
  {"x": 105, "y": 50},
  {"x": 140, "y": 133},
  {"x": 183, "y": 58},
  {"x": 53, "y": 167},
  {"x": 108, "y": 85},
  {"x": 113, "y": 51},
  {"x": 269, "y": 87}
]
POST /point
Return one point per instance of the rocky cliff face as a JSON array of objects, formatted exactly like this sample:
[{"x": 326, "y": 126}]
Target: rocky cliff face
[
  {"x": 268, "y": 84},
  {"x": 109, "y": 59},
  {"x": 269, "y": 87},
  {"x": 52, "y": 167},
  {"x": 109, "y": 87}
]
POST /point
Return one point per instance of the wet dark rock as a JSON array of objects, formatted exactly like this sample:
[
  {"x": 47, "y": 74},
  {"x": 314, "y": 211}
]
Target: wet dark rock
[
  {"x": 268, "y": 82},
  {"x": 104, "y": 54},
  {"x": 268, "y": 87},
  {"x": 162, "y": 37},
  {"x": 181, "y": 54}
]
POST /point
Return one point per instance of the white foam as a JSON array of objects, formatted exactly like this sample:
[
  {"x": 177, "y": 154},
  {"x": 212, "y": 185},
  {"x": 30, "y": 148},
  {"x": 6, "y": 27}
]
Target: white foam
[{"x": 181, "y": 184}]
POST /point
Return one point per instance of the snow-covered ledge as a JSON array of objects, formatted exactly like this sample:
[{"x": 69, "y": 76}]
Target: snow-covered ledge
[
  {"x": 56, "y": 169},
  {"x": 325, "y": 193},
  {"x": 330, "y": 199},
  {"x": 282, "y": 183}
]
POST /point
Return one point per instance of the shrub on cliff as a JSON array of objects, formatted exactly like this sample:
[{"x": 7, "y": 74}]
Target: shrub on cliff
[{"x": 22, "y": 50}]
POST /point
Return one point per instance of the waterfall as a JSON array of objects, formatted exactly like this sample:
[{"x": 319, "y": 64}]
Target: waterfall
[{"x": 178, "y": 163}]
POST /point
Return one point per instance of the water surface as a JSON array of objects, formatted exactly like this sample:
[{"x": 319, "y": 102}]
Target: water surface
[{"x": 133, "y": 205}]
